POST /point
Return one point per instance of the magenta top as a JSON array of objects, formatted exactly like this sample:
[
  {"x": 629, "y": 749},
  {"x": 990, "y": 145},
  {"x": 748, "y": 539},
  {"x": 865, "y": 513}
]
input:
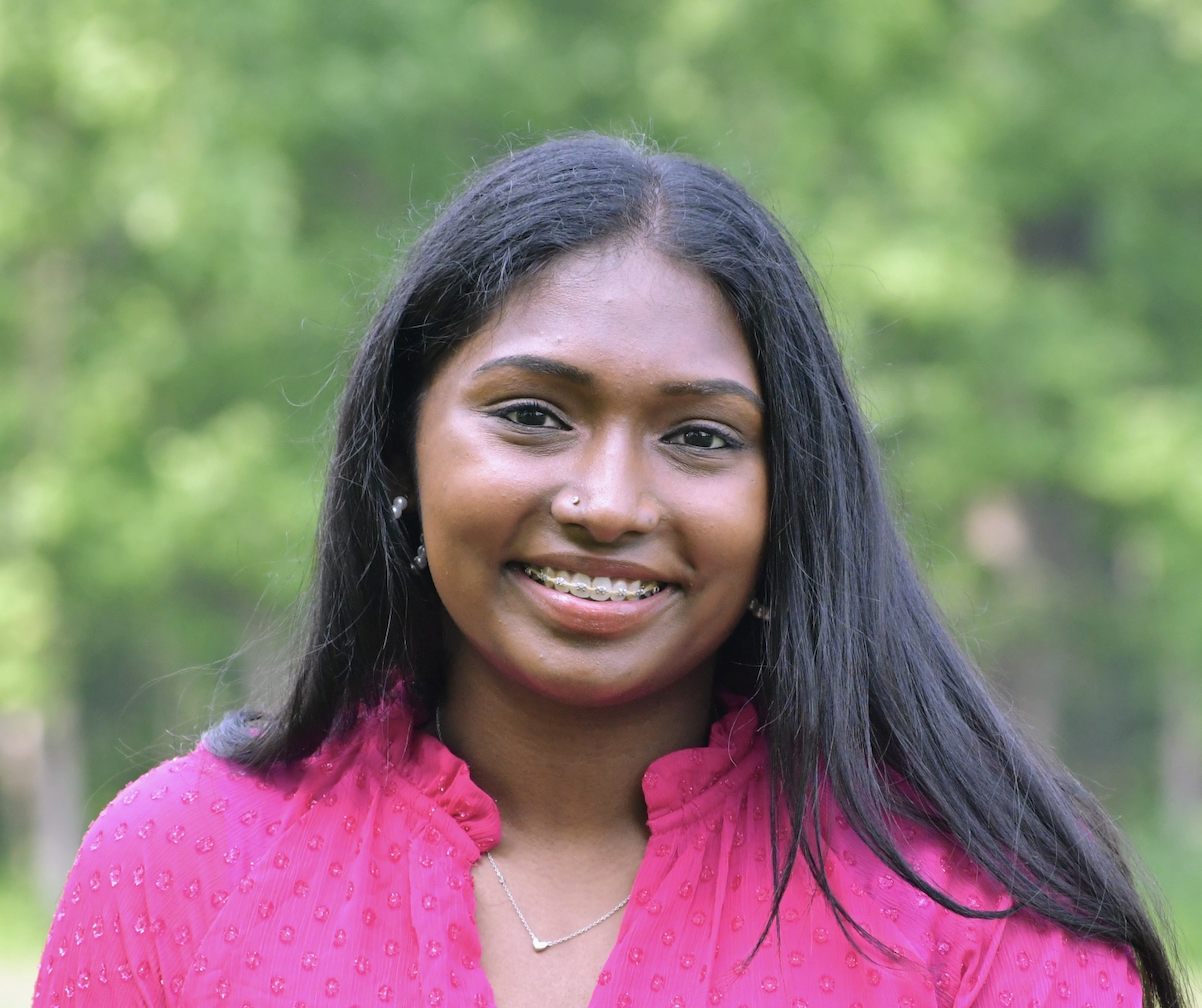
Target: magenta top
[{"x": 346, "y": 881}]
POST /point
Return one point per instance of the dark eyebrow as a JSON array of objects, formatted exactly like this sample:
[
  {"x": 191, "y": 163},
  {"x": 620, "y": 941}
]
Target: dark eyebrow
[
  {"x": 578, "y": 376},
  {"x": 543, "y": 365},
  {"x": 713, "y": 386}
]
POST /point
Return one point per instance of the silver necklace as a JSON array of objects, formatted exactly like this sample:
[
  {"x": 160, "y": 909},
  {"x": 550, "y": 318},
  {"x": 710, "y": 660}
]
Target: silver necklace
[{"x": 538, "y": 943}]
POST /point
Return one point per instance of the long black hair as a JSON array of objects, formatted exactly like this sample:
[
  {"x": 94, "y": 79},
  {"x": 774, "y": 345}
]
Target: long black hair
[{"x": 861, "y": 687}]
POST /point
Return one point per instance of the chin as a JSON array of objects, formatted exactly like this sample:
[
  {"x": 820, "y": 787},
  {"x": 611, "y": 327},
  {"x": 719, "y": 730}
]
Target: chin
[{"x": 590, "y": 683}]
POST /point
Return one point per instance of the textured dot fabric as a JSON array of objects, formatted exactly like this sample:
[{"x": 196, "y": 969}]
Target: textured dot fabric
[{"x": 345, "y": 880}]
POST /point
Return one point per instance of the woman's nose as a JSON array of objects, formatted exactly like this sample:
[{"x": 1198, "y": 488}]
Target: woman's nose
[{"x": 608, "y": 493}]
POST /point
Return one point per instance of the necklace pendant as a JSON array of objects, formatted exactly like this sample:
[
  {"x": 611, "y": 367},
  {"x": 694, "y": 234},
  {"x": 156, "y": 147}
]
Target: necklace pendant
[{"x": 539, "y": 945}]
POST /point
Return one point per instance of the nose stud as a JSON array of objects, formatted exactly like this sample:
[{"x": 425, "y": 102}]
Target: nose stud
[{"x": 601, "y": 515}]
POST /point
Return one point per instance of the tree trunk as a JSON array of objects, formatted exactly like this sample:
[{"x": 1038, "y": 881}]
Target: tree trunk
[
  {"x": 1181, "y": 750},
  {"x": 58, "y": 822}
]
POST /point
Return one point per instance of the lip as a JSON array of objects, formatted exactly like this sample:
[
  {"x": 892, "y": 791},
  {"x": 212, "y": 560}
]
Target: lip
[
  {"x": 593, "y": 566},
  {"x": 586, "y": 616}
]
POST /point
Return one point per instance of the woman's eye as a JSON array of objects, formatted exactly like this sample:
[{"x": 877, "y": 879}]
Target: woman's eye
[
  {"x": 699, "y": 437},
  {"x": 531, "y": 416}
]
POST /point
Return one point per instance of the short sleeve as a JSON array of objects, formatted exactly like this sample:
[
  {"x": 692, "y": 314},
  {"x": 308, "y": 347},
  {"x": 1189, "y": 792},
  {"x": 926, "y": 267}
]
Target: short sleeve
[{"x": 1034, "y": 962}]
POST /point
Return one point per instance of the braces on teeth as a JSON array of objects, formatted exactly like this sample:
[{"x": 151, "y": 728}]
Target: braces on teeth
[{"x": 600, "y": 589}]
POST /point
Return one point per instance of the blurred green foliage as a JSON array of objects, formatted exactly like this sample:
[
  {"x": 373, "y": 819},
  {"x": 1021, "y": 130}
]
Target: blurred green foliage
[{"x": 1002, "y": 200}]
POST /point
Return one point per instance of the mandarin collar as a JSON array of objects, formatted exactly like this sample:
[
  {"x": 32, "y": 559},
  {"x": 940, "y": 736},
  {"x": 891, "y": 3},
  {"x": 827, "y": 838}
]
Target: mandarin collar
[{"x": 679, "y": 787}]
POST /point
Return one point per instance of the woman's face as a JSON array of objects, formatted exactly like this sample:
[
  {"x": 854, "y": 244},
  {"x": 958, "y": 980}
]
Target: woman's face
[{"x": 592, "y": 481}]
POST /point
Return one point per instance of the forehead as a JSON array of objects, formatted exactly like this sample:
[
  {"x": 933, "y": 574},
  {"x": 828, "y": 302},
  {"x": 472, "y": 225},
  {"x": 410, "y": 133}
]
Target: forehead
[{"x": 622, "y": 314}]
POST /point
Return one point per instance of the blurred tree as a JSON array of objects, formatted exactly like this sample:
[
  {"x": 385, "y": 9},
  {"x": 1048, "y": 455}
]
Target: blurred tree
[{"x": 197, "y": 202}]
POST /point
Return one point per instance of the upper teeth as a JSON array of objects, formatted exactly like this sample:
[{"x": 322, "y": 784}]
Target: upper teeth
[{"x": 601, "y": 589}]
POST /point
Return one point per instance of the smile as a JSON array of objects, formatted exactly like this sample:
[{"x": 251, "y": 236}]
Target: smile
[{"x": 599, "y": 589}]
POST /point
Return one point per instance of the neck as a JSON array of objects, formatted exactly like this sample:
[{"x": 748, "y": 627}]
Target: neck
[{"x": 561, "y": 771}]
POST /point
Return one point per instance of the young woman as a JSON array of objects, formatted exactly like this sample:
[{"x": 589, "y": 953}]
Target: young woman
[{"x": 620, "y": 688}]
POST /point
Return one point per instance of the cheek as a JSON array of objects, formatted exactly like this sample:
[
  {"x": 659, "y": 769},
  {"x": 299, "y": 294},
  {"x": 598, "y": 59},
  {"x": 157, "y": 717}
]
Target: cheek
[
  {"x": 729, "y": 531},
  {"x": 472, "y": 499}
]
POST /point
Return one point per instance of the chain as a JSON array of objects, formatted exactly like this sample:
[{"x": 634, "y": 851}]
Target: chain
[{"x": 539, "y": 944}]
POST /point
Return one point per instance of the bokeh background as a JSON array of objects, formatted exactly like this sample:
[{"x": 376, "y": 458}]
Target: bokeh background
[{"x": 200, "y": 199}]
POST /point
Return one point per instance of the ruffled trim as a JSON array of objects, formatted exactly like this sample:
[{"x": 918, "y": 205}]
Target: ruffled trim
[
  {"x": 431, "y": 769},
  {"x": 685, "y": 785},
  {"x": 678, "y": 787},
  {"x": 387, "y": 745},
  {"x": 445, "y": 779}
]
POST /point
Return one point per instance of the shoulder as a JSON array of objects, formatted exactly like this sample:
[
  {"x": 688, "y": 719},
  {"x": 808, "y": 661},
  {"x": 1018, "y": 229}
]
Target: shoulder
[
  {"x": 152, "y": 871},
  {"x": 1032, "y": 960},
  {"x": 950, "y": 949},
  {"x": 131, "y": 829},
  {"x": 180, "y": 811},
  {"x": 1017, "y": 959}
]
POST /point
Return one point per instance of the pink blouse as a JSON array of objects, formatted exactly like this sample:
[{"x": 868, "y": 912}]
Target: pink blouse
[{"x": 346, "y": 881}]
